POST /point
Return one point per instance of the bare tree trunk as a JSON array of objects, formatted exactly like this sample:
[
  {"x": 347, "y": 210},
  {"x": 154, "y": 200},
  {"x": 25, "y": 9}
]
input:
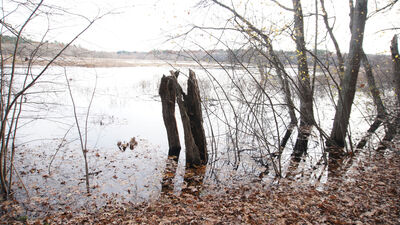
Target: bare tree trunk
[
  {"x": 348, "y": 86},
  {"x": 290, "y": 105},
  {"x": 167, "y": 93},
  {"x": 282, "y": 76},
  {"x": 394, "y": 48},
  {"x": 193, "y": 106},
  {"x": 392, "y": 126},
  {"x": 305, "y": 91},
  {"x": 12, "y": 95},
  {"x": 381, "y": 111}
]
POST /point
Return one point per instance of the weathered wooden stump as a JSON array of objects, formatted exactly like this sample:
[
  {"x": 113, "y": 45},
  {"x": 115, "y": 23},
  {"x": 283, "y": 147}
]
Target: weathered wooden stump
[
  {"x": 193, "y": 106},
  {"x": 192, "y": 120},
  {"x": 167, "y": 93}
]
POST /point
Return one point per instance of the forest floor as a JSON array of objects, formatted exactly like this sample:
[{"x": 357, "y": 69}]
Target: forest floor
[{"x": 369, "y": 194}]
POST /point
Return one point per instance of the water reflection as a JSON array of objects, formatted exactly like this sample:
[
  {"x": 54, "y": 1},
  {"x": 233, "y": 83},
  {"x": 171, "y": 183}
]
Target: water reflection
[
  {"x": 194, "y": 178},
  {"x": 167, "y": 184},
  {"x": 192, "y": 182},
  {"x": 127, "y": 105}
]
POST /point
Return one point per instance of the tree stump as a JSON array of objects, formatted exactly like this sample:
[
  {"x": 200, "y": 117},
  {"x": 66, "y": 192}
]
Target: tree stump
[
  {"x": 192, "y": 151},
  {"x": 167, "y": 93},
  {"x": 192, "y": 118},
  {"x": 193, "y": 106}
]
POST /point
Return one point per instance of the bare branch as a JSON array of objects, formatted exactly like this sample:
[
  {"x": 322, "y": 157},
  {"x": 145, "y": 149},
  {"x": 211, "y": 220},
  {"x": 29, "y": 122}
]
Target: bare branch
[
  {"x": 383, "y": 9},
  {"x": 333, "y": 38},
  {"x": 282, "y": 6},
  {"x": 393, "y": 28}
]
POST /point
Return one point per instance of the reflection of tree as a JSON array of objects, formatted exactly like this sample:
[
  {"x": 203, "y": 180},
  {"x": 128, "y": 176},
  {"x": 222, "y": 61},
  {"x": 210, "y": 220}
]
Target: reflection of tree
[
  {"x": 194, "y": 180},
  {"x": 167, "y": 185}
]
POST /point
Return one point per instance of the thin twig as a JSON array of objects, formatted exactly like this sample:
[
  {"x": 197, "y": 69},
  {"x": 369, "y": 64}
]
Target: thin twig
[
  {"x": 19, "y": 177},
  {"x": 79, "y": 132},
  {"x": 59, "y": 147},
  {"x": 88, "y": 111}
]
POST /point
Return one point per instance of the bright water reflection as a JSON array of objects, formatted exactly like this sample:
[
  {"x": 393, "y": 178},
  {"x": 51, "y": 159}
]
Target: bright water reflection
[{"x": 126, "y": 105}]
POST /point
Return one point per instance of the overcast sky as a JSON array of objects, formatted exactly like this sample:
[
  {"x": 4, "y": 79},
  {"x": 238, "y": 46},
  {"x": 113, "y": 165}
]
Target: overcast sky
[
  {"x": 139, "y": 25},
  {"x": 143, "y": 25}
]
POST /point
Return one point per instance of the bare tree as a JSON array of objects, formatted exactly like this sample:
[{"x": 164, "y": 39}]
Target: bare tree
[
  {"x": 329, "y": 67},
  {"x": 305, "y": 90},
  {"x": 261, "y": 38},
  {"x": 22, "y": 51},
  {"x": 348, "y": 86},
  {"x": 392, "y": 125},
  {"x": 380, "y": 108},
  {"x": 82, "y": 135},
  {"x": 394, "y": 49}
]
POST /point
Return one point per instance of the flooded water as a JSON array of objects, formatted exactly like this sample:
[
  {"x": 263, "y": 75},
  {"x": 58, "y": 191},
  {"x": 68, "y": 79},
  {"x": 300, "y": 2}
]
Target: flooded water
[{"x": 125, "y": 105}]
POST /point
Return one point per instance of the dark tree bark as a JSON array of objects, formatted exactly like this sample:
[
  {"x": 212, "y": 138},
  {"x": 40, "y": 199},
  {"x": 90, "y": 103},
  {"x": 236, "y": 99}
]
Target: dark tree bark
[
  {"x": 192, "y": 151},
  {"x": 305, "y": 91},
  {"x": 191, "y": 115},
  {"x": 381, "y": 111},
  {"x": 348, "y": 86},
  {"x": 167, "y": 93},
  {"x": 394, "y": 49},
  {"x": 193, "y": 106},
  {"x": 392, "y": 126},
  {"x": 372, "y": 86},
  {"x": 290, "y": 106},
  {"x": 194, "y": 135}
]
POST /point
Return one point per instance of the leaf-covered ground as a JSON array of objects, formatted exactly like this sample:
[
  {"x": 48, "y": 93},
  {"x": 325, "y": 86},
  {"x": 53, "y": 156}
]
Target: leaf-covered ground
[{"x": 370, "y": 194}]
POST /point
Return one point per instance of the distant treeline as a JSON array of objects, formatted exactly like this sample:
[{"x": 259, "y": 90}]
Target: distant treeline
[
  {"x": 234, "y": 57},
  {"x": 239, "y": 56}
]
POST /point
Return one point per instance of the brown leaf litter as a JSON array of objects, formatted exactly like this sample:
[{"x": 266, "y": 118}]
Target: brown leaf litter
[{"x": 370, "y": 195}]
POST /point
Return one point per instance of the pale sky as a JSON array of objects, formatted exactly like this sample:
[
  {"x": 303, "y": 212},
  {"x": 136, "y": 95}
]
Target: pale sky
[{"x": 143, "y": 25}]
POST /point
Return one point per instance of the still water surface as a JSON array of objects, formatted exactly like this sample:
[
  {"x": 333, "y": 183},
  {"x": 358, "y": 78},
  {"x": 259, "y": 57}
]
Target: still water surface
[{"x": 125, "y": 105}]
